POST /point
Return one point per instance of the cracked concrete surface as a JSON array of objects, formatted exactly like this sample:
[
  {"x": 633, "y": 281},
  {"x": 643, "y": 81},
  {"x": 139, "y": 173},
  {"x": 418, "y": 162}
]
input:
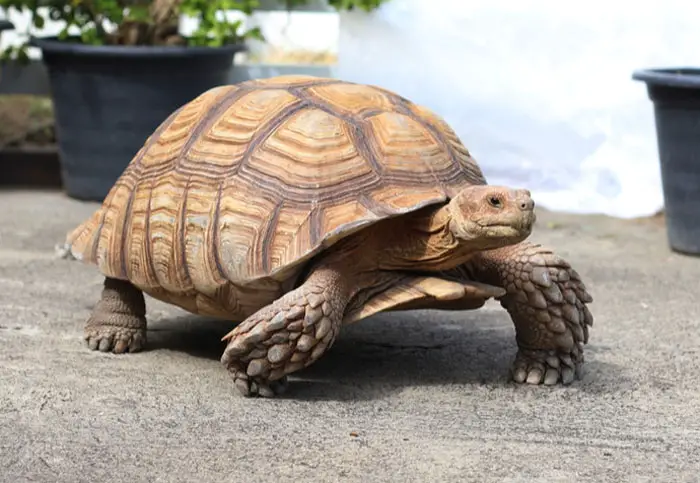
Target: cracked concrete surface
[{"x": 419, "y": 396}]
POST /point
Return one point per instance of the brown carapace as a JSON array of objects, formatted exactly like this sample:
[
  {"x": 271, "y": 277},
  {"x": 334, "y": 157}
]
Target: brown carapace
[{"x": 296, "y": 204}]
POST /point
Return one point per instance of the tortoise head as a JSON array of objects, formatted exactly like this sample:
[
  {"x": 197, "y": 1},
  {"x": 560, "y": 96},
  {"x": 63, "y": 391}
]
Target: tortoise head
[{"x": 491, "y": 216}]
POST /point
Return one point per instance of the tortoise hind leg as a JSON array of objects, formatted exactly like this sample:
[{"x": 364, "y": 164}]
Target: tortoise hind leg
[
  {"x": 118, "y": 321},
  {"x": 287, "y": 335}
]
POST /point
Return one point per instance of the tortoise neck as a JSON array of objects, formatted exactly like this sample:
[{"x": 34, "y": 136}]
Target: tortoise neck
[
  {"x": 421, "y": 241},
  {"x": 418, "y": 241}
]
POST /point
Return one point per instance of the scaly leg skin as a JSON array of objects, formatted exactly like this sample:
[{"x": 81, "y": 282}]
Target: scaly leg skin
[
  {"x": 286, "y": 336},
  {"x": 546, "y": 300},
  {"x": 118, "y": 321}
]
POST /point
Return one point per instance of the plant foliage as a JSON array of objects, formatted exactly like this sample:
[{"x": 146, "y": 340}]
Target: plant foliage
[
  {"x": 141, "y": 22},
  {"x": 135, "y": 22}
]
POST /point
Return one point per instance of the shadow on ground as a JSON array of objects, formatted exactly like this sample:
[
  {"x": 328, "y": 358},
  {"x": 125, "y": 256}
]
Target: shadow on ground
[{"x": 382, "y": 354}]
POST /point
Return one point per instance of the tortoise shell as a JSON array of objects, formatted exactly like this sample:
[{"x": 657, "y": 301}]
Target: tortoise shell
[{"x": 235, "y": 190}]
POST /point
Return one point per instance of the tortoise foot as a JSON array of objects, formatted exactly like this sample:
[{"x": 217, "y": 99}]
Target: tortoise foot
[
  {"x": 118, "y": 322},
  {"x": 257, "y": 386},
  {"x": 547, "y": 367},
  {"x": 106, "y": 338}
]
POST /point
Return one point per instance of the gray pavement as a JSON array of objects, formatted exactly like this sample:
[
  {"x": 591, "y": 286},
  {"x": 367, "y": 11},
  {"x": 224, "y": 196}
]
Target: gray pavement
[{"x": 419, "y": 396}]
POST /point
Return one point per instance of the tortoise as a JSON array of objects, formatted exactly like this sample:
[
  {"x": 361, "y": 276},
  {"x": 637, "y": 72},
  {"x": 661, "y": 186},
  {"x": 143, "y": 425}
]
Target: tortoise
[{"x": 296, "y": 204}]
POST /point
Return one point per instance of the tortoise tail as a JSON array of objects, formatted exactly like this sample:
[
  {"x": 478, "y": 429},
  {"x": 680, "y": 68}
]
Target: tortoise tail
[{"x": 81, "y": 243}]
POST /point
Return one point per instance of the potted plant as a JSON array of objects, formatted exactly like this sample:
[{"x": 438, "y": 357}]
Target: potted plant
[
  {"x": 118, "y": 68},
  {"x": 675, "y": 94}
]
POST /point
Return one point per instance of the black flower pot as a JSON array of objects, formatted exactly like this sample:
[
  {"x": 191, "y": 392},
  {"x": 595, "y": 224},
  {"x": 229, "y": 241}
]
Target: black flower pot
[
  {"x": 109, "y": 99},
  {"x": 676, "y": 97}
]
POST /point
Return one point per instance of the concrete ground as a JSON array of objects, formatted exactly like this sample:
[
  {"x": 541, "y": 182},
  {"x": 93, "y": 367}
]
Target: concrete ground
[{"x": 401, "y": 397}]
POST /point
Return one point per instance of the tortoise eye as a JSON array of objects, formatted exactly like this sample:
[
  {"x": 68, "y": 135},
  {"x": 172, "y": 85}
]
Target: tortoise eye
[{"x": 495, "y": 201}]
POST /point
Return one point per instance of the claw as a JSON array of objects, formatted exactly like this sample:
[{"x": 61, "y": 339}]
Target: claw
[
  {"x": 93, "y": 343},
  {"x": 119, "y": 340},
  {"x": 567, "y": 375},
  {"x": 519, "y": 375},
  {"x": 253, "y": 386},
  {"x": 543, "y": 367},
  {"x": 535, "y": 376},
  {"x": 121, "y": 346},
  {"x": 551, "y": 377}
]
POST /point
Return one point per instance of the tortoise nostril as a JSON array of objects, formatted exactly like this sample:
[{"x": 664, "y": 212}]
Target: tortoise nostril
[{"x": 527, "y": 205}]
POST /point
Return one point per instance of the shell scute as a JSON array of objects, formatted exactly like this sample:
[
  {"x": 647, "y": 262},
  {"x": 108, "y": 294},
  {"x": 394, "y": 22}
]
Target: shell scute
[
  {"x": 309, "y": 157},
  {"x": 235, "y": 133},
  {"x": 353, "y": 100}
]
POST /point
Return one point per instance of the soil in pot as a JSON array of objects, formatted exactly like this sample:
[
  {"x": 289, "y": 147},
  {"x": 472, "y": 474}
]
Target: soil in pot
[
  {"x": 28, "y": 152},
  {"x": 26, "y": 120}
]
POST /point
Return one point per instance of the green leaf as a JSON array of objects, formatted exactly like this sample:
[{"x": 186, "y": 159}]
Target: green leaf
[{"x": 38, "y": 21}]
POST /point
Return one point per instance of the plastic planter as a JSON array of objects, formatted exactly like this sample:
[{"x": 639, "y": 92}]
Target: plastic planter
[
  {"x": 109, "y": 99},
  {"x": 675, "y": 94}
]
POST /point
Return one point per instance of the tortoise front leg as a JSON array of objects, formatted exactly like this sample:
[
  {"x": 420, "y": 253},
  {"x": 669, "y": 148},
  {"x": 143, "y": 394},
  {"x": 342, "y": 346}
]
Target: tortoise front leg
[
  {"x": 287, "y": 335},
  {"x": 118, "y": 321},
  {"x": 546, "y": 300}
]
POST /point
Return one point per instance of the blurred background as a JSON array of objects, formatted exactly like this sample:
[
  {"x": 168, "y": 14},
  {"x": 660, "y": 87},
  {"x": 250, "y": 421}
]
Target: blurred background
[{"x": 540, "y": 91}]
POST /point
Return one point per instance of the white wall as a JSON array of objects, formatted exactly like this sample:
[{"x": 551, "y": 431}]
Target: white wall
[{"x": 540, "y": 91}]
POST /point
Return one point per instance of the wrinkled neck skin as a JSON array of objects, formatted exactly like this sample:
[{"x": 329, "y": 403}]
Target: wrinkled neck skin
[
  {"x": 419, "y": 242},
  {"x": 424, "y": 242}
]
